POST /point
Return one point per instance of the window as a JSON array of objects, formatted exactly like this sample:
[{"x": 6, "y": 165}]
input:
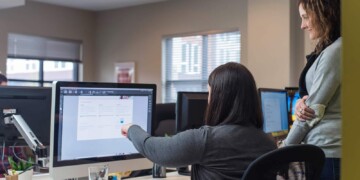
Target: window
[
  {"x": 189, "y": 60},
  {"x": 37, "y": 61}
]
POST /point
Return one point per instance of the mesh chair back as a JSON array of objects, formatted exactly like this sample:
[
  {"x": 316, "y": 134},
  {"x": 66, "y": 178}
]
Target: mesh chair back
[{"x": 292, "y": 162}]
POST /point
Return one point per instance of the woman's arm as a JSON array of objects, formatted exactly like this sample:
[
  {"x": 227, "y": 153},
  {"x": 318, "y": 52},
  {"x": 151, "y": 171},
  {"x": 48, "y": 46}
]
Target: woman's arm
[
  {"x": 182, "y": 149},
  {"x": 326, "y": 81}
]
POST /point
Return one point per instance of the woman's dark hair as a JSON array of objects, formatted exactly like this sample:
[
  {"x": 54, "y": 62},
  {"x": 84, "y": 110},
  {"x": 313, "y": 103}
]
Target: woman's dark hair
[
  {"x": 233, "y": 97},
  {"x": 326, "y": 17},
  {"x": 3, "y": 78}
]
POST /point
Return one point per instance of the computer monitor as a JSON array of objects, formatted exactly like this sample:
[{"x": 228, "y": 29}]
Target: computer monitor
[
  {"x": 190, "y": 114},
  {"x": 293, "y": 96},
  {"x": 190, "y": 110},
  {"x": 86, "y": 122},
  {"x": 274, "y": 109},
  {"x": 33, "y": 104}
]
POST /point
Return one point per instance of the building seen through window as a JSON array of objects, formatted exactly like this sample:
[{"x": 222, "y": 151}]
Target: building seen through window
[
  {"x": 41, "y": 73},
  {"x": 189, "y": 60}
]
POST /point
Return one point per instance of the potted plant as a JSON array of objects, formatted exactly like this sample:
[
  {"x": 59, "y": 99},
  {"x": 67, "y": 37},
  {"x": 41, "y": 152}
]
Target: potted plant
[{"x": 22, "y": 169}]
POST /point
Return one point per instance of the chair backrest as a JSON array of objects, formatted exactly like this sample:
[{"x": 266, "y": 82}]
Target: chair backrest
[
  {"x": 301, "y": 161},
  {"x": 164, "y": 122}
]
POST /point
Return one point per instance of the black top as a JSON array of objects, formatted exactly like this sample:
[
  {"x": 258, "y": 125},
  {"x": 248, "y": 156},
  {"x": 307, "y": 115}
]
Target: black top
[
  {"x": 220, "y": 152},
  {"x": 302, "y": 82}
]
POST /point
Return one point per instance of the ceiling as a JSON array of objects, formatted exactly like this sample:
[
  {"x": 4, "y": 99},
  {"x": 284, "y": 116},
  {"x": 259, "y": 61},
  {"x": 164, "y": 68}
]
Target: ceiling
[
  {"x": 97, "y": 5},
  {"x": 11, "y": 3}
]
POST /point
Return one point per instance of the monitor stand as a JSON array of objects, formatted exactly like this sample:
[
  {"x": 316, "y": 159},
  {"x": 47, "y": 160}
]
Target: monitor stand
[{"x": 184, "y": 171}]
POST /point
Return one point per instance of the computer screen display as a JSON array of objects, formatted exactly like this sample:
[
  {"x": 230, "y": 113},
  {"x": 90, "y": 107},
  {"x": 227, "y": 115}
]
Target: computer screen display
[
  {"x": 33, "y": 104},
  {"x": 293, "y": 96},
  {"x": 190, "y": 110},
  {"x": 88, "y": 118},
  {"x": 274, "y": 109}
]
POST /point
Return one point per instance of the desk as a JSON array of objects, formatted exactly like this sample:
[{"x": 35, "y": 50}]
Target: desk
[
  {"x": 45, "y": 176},
  {"x": 169, "y": 176}
]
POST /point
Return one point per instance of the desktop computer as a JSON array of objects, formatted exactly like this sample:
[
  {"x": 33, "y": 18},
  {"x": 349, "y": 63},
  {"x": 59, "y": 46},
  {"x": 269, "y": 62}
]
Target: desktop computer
[
  {"x": 274, "y": 111},
  {"x": 86, "y": 122},
  {"x": 190, "y": 114},
  {"x": 32, "y": 106},
  {"x": 293, "y": 95}
]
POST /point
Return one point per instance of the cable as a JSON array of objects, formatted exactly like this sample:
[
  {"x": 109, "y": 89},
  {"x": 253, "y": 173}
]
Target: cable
[
  {"x": 3, "y": 156},
  {"x": 17, "y": 157}
]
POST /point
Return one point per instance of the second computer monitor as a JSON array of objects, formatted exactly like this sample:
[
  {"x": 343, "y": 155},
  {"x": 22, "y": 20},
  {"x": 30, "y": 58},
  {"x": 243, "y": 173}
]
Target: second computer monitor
[
  {"x": 293, "y": 96},
  {"x": 34, "y": 106},
  {"x": 190, "y": 110},
  {"x": 274, "y": 109}
]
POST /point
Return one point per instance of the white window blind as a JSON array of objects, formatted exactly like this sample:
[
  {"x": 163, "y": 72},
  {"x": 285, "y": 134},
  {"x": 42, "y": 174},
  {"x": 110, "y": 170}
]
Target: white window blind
[
  {"x": 189, "y": 60},
  {"x": 35, "y": 47}
]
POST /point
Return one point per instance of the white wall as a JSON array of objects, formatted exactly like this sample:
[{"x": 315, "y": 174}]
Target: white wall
[
  {"x": 135, "y": 33},
  {"x": 52, "y": 21},
  {"x": 269, "y": 42},
  {"x": 272, "y": 46}
]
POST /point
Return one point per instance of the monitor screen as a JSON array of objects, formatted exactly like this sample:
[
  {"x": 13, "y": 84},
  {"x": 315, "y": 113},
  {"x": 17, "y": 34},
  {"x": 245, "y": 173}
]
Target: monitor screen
[
  {"x": 86, "y": 124},
  {"x": 33, "y": 104},
  {"x": 190, "y": 110},
  {"x": 274, "y": 109},
  {"x": 293, "y": 96}
]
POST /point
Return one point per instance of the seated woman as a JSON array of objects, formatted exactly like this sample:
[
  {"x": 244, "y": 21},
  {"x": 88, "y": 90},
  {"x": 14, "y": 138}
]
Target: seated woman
[
  {"x": 231, "y": 139},
  {"x": 3, "y": 80}
]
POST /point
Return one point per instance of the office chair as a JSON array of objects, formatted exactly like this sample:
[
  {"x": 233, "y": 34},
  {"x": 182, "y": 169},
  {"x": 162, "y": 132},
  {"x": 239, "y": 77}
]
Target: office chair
[
  {"x": 301, "y": 161},
  {"x": 164, "y": 122}
]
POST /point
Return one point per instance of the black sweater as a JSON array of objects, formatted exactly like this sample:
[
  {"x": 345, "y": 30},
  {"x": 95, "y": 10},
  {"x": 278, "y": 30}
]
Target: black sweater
[{"x": 220, "y": 152}]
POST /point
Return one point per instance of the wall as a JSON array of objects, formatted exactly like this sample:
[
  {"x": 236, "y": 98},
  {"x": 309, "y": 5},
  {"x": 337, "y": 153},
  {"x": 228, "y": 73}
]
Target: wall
[
  {"x": 350, "y": 90},
  {"x": 52, "y": 21},
  {"x": 269, "y": 42},
  {"x": 297, "y": 46},
  {"x": 135, "y": 34}
]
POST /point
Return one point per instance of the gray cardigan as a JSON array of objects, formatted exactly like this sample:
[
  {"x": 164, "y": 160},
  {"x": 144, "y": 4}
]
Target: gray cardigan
[
  {"x": 220, "y": 152},
  {"x": 323, "y": 82}
]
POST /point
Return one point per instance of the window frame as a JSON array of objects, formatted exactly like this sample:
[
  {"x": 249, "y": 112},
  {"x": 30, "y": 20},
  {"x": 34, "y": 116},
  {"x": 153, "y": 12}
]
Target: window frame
[
  {"x": 41, "y": 80},
  {"x": 167, "y": 59}
]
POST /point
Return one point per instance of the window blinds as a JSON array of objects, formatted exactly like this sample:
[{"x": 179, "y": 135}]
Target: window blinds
[
  {"x": 189, "y": 60},
  {"x": 35, "y": 47}
]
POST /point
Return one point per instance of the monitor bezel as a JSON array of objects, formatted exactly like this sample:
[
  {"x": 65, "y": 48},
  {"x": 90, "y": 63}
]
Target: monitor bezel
[
  {"x": 281, "y": 132},
  {"x": 55, "y": 121},
  {"x": 179, "y": 116}
]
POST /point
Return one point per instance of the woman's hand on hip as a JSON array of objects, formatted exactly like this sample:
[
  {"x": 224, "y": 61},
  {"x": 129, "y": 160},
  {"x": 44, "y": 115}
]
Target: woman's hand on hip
[{"x": 303, "y": 112}]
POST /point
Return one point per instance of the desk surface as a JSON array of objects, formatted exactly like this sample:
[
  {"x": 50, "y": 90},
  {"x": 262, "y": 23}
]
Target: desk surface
[{"x": 170, "y": 176}]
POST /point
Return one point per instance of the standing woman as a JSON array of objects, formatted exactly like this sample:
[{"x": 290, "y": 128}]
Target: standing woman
[
  {"x": 231, "y": 139},
  {"x": 319, "y": 112}
]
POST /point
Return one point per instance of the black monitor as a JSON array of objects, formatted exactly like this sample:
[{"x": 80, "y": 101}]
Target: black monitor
[
  {"x": 86, "y": 125},
  {"x": 293, "y": 96},
  {"x": 190, "y": 114},
  {"x": 190, "y": 110},
  {"x": 274, "y": 109},
  {"x": 33, "y": 104}
]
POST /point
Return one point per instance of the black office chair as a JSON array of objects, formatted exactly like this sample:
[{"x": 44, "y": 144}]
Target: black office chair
[
  {"x": 164, "y": 122},
  {"x": 301, "y": 161}
]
